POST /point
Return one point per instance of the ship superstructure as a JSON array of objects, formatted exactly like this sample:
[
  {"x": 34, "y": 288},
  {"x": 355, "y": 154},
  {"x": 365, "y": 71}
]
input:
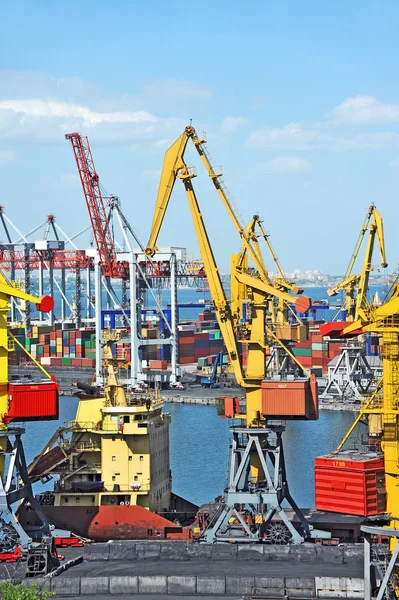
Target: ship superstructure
[{"x": 112, "y": 462}]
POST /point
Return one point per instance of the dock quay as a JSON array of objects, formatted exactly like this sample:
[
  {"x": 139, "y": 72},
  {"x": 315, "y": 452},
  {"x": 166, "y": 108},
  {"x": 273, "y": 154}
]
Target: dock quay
[{"x": 177, "y": 568}]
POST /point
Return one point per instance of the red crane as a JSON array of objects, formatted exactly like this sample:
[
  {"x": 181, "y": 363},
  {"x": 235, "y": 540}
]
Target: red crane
[{"x": 95, "y": 204}]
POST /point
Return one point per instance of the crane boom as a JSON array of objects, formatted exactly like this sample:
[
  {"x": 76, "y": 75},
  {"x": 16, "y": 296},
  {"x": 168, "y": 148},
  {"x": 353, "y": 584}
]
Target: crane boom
[
  {"x": 357, "y": 284},
  {"x": 95, "y": 204},
  {"x": 175, "y": 167},
  {"x": 255, "y": 482}
]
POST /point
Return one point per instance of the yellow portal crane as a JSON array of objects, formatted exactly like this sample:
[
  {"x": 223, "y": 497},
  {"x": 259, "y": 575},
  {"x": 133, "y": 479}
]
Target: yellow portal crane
[
  {"x": 257, "y": 478},
  {"x": 385, "y": 320},
  {"x": 45, "y": 304},
  {"x": 278, "y": 307},
  {"x": 9, "y": 525},
  {"x": 383, "y": 406},
  {"x": 173, "y": 162},
  {"x": 355, "y": 286}
]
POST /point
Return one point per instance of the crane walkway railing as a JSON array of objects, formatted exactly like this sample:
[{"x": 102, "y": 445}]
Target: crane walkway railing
[{"x": 381, "y": 558}]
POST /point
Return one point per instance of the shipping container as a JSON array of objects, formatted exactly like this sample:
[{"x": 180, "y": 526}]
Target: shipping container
[
  {"x": 296, "y": 399},
  {"x": 350, "y": 482},
  {"x": 32, "y": 402},
  {"x": 227, "y": 406}
]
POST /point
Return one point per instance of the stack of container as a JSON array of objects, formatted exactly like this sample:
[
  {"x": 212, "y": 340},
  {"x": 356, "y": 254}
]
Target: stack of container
[
  {"x": 53, "y": 346},
  {"x": 186, "y": 347}
]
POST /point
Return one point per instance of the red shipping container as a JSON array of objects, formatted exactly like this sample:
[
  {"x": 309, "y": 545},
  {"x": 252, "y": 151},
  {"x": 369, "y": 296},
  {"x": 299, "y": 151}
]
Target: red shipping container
[
  {"x": 88, "y": 362},
  {"x": 158, "y": 364},
  {"x": 187, "y": 340},
  {"x": 32, "y": 402},
  {"x": 296, "y": 399},
  {"x": 56, "y": 362},
  {"x": 76, "y": 362},
  {"x": 58, "y": 333},
  {"x": 185, "y": 360},
  {"x": 306, "y": 361},
  {"x": 316, "y": 338},
  {"x": 350, "y": 482},
  {"x": 201, "y": 335},
  {"x": 53, "y": 335},
  {"x": 227, "y": 407},
  {"x": 307, "y": 344}
]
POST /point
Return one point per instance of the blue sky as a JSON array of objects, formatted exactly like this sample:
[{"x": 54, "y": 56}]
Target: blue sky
[{"x": 299, "y": 101}]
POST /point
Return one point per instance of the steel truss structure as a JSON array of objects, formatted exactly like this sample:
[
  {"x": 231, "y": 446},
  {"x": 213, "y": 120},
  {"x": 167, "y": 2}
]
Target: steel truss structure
[
  {"x": 252, "y": 503},
  {"x": 380, "y": 565},
  {"x": 351, "y": 377},
  {"x": 16, "y": 486}
]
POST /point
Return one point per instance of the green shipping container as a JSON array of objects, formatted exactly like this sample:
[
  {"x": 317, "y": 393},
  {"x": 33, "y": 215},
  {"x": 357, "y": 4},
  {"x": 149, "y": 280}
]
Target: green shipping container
[
  {"x": 302, "y": 351},
  {"x": 90, "y": 355},
  {"x": 66, "y": 362},
  {"x": 319, "y": 346},
  {"x": 40, "y": 349}
]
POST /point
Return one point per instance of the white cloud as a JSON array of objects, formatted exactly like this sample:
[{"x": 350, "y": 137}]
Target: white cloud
[
  {"x": 231, "y": 124},
  {"x": 365, "y": 110},
  {"x": 394, "y": 163},
  {"x": 285, "y": 165},
  {"x": 6, "y": 155},
  {"x": 301, "y": 138},
  {"x": 37, "y": 108}
]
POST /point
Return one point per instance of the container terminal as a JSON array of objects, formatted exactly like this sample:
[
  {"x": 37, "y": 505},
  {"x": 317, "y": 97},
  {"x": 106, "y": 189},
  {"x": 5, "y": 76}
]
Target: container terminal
[{"x": 259, "y": 342}]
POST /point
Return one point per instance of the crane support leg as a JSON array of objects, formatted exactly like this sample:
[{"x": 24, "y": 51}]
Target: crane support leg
[
  {"x": 15, "y": 487},
  {"x": 250, "y": 504}
]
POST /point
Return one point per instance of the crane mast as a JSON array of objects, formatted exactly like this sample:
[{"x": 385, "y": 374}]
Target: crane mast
[
  {"x": 384, "y": 402},
  {"x": 95, "y": 204},
  {"x": 355, "y": 286},
  {"x": 257, "y": 476}
]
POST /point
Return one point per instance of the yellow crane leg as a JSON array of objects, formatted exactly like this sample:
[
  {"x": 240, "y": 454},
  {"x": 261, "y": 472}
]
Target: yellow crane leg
[
  {"x": 4, "y": 307},
  {"x": 390, "y": 440}
]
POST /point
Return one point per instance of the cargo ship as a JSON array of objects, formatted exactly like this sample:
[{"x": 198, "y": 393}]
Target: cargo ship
[{"x": 112, "y": 466}]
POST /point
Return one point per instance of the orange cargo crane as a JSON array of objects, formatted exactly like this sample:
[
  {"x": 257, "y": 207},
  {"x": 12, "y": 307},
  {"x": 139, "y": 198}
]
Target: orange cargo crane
[{"x": 95, "y": 204}]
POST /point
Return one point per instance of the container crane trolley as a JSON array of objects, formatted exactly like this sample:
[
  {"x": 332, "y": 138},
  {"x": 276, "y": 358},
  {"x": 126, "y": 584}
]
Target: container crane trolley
[{"x": 257, "y": 482}]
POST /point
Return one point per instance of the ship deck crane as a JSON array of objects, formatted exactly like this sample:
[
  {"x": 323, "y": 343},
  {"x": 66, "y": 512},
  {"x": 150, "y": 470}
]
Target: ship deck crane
[
  {"x": 355, "y": 286},
  {"x": 257, "y": 476}
]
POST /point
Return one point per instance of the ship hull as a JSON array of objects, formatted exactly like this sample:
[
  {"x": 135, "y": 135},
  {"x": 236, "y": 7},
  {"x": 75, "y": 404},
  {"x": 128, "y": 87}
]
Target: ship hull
[{"x": 105, "y": 523}]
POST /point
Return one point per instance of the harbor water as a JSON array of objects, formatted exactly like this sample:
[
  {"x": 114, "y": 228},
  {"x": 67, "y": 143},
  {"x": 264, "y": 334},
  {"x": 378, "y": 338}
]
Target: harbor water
[{"x": 199, "y": 441}]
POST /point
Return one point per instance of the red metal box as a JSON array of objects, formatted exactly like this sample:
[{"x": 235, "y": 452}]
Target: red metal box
[
  {"x": 350, "y": 482},
  {"x": 33, "y": 401},
  {"x": 227, "y": 406},
  {"x": 296, "y": 399}
]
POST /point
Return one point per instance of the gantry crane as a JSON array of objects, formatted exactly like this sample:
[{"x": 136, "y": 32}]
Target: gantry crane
[
  {"x": 15, "y": 406},
  {"x": 355, "y": 286},
  {"x": 95, "y": 205},
  {"x": 257, "y": 478}
]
